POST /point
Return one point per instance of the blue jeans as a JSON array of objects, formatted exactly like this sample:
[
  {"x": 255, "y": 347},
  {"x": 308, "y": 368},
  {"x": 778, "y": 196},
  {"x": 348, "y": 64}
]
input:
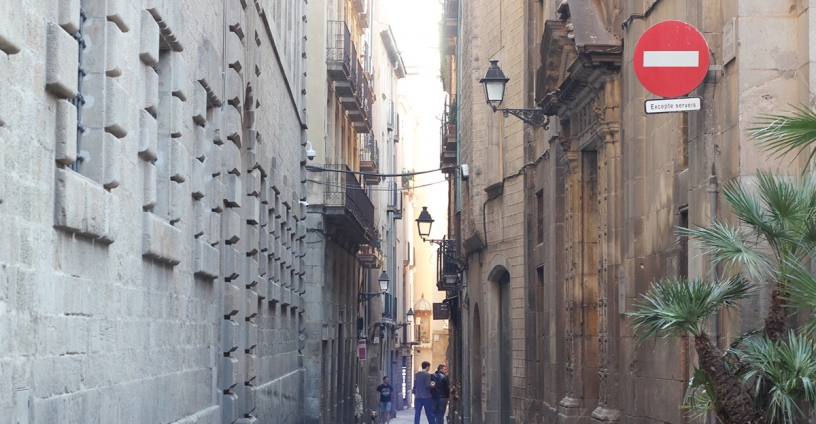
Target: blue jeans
[
  {"x": 440, "y": 404},
  {"x": 427, "y": 403}
]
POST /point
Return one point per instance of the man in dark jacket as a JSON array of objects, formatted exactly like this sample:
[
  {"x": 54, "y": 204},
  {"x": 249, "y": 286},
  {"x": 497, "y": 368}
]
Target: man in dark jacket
[
  {"x": 422, "y": 395},
  {"x": 440, "y": 393}
]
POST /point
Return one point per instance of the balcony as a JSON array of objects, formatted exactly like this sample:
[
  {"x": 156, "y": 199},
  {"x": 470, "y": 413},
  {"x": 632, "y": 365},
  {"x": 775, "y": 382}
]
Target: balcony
[
  {"x": 349, "y": 211},
  {"x": 447, "y": 155},
  {"x": 370, "y": 159},
  {"x": 395, "y": 200},
  {"x": 369, "y": 256},
  {"x": 339, "y": 51},
  {"x": 447, "y": 267}
]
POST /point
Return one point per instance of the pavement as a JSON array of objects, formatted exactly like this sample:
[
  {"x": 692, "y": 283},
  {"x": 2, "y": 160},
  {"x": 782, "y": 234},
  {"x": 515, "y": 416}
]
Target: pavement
[{"x": 406, "y": 416}]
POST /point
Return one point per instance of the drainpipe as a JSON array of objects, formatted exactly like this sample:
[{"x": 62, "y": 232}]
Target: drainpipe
[{"x": 713, "y": 192}]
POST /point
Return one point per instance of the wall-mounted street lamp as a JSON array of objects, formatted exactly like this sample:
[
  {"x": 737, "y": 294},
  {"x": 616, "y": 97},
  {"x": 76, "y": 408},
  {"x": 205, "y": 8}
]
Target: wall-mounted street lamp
[
  {"x": 449, "y": 267},
  {"x": 494, "y": 83},
  {"x": 384, "y": 281}
]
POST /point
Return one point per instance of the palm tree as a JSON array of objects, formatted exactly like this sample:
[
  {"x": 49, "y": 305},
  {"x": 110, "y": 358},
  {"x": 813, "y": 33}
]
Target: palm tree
[
  {"x": 764, "y": 376},
  {"x": 676, "y": 307}
]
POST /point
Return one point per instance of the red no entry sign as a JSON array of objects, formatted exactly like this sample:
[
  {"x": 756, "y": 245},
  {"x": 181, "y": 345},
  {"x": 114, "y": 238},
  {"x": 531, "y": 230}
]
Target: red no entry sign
[{"x": 671, "y": 58}]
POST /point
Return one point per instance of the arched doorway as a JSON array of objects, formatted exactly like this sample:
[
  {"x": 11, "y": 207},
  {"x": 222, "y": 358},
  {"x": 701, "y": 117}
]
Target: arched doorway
[
  {"x": 477, "y": 367},
  {"x": 505, "y": 349}
]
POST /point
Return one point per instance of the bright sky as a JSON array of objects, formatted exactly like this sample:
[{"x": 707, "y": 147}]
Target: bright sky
[{"x": 416, "y": 27}]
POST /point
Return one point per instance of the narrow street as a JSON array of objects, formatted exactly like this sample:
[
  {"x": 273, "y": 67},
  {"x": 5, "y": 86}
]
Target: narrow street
[{"x": 407, "y": 417}]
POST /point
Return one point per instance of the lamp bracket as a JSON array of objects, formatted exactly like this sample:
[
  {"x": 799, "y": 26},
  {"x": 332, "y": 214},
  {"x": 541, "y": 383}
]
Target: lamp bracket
[
  {"x": 534, "y": 117},
  {"x": 365, "y": 297}
]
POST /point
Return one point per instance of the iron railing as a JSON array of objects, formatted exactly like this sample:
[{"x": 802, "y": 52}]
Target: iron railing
[
  {"x": 370, "y": 150},
  {"x": 343, "y": 189},
  {"x": 339, "y": 46},
  {"x": 446, "y": 264}
]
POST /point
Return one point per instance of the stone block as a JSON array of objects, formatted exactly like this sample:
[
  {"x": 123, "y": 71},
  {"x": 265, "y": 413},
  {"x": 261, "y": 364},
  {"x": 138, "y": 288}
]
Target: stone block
[
  {"x": 61, "y": 63},
  {"x": 250, "y": 330},
  {"x": 263, "y": 239},
  {"x": 119, "y": 13},
  {"x": 66, "y": 132},
  {"x": 215, "y": 130},
  {"x": 114, "y": 56},
  {"x": 251, "y": 210},
  {"x": 250, "y": 160},
  {"x": 102, "y": 158},
  {"x": 148, "y": 136},
  {"x": 235, "y": 89},
  {"x": 251, "y": 238},
  {"x": 117, "y": 109},
  {"x": 251, "y": 311},
  {"x": 301, "y": 230},
  {"x": 176, "y": 121},
  {"x": 213, "y": 161},
  {"x": 214, "y": 229},
  {"x": 200, "y": 142},
  {"x": 233, "y": 126},
  {"x": 206, "y": 260},
  {"x": 198, "y": 179},
  {"x": 199, "y": 104},
  {"x": 208, "y": 71},
  {"x": 230, "y": 226},
  {"x": 201, "y": 219},
  {"x": 236, "y": 18},
  {"x": 233, "y": 195},
  {"x": 253, "y": 183},
  {"x": 215, "y": 195},
  {"x": 160, "y": 240},
  {"x": 179, "y": 81},
  {"x": 228, "y": 410},
  {"x": 171, "y": 21},
  {"x": 236, "y": 52},
  {"x": 113, "y": 162},
  {"x": 176, "y": 198},
  {"x": 149, "y": 190},
  {"x": 274, "y": 292},
  {"x": 231, "y": 159},
  {"x": 151, "y": 90},
  {"x": 82, "y": 206},
  {"x": 148, "y": 39},
  {"x": 232, "y": 300},
  {"x": 230, "y": 337},
  {"x": 179, "y": 161},
  {"x": 11, "y": 32},
  {"x": 231, "y": 261},
  {"x": 2, "y": 174},
  {"x": 228, "y": 374},
  {"x": 69, "y": 15},
  {"x": 69, "y": 207},
  {"x": 261, "y": 287}
]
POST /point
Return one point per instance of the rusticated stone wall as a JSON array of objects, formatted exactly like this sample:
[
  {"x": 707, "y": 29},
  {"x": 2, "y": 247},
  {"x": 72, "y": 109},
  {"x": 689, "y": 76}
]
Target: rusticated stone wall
[{"x": 151, "y": 173}]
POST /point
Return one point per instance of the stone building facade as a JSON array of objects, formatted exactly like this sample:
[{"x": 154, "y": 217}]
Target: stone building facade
[
  {"x": 151, "y": 165},
  {"x": 560, "y": 229}
]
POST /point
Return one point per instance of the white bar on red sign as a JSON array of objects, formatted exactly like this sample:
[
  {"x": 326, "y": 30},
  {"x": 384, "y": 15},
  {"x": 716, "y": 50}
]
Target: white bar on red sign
[
  {"x": 672, "y": 105},
  {"x": 671, "y": 59}
]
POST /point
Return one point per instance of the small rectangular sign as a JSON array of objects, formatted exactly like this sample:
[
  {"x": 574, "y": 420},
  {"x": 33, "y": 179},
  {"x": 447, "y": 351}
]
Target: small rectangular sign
[
  {"x": 441, "y": 311},
  {"x": 361, "y": 349},
  {"x": 671, "y": 59},
  {"x": 684, "y": 104},
  {"x": 729, "y": 41}
]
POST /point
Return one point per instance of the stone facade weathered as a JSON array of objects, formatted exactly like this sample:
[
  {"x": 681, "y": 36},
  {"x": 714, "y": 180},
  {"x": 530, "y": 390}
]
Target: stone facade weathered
[
  {"x": 151, "y": 174},
  {"x": 581, "y": 217}
]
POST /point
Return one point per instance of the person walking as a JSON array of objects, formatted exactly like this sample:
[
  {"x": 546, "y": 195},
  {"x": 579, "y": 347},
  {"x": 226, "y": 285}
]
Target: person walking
[
  {"x": 440, "y": 393},
  {"x": 422, "y": 393},
  {"x": 385, "y": 390}
]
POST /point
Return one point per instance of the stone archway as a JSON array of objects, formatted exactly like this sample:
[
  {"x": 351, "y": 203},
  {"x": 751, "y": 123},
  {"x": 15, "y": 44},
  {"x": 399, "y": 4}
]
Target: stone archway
[{"x": 499, "y": 362}]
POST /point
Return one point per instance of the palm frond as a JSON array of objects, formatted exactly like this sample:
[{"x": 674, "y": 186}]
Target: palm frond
[
  {"x": 701, "y": 395},
  {"x": 729, "y": 246},
  {"x": 800, "y": 285},
  {"x": 676, "y": 306},
  {"x": 781, "y": 134},
  {"x": 788, "y": 368}
]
